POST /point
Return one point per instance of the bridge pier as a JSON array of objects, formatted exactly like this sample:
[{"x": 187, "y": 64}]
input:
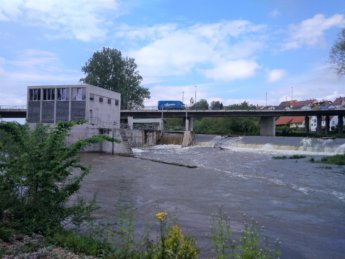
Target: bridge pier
[
  {"x": 328, "y": 122},
  {"x": 340, "y": 123},
  {"x": 189, "y": 124},
  {"x": 267, "y": 126},
  {"x": 318, "y": 124},
  {"x": 307, "y": 124}
]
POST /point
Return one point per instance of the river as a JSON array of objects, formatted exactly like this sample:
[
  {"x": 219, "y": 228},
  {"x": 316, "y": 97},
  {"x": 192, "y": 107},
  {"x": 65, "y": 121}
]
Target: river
[{"x": 299, "y": 202}]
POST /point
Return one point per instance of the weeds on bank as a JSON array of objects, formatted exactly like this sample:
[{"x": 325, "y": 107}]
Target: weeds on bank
[
  {"x": 249, "y": 245},
  {"x": 335, "y": 160}
]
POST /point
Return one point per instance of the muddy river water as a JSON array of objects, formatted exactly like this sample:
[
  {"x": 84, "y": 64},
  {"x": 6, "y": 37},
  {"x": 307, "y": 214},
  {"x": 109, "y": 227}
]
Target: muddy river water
[{"x": 300, "y": 202}]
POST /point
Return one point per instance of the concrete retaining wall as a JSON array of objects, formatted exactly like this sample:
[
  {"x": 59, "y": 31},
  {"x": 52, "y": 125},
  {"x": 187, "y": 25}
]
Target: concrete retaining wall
[{"x": 85, "y": 131}]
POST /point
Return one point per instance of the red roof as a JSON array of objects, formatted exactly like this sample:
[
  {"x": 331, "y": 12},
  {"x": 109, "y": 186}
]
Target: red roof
[{"x": 285, "y": 120}]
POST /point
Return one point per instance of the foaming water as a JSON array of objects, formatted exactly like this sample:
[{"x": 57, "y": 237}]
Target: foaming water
[{"x": 293, "y": 145}]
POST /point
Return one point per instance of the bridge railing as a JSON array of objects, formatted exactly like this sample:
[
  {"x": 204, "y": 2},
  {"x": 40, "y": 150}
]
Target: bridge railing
[{"x": 13, "y": 107}]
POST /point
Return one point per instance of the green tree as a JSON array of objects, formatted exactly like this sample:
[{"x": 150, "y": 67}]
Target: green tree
[
  {"x": 39, "y": 174},
  {"x": 216, "y": 105},
  {"x": 338, "y": 53},
  {"x": 109, "y": 69},
  {"x": 242, "y": 106},
  {"x": 202, "y": 104}
]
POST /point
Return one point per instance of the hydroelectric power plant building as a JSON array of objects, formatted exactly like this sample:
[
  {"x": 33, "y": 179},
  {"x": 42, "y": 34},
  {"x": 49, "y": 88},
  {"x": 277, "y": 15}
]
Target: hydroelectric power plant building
[
  {"x": 98, "y": 107},
  {"x": 50, "y": 104}
]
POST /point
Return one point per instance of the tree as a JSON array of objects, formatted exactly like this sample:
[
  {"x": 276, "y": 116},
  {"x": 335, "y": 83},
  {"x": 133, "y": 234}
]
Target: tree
[
  {"x": 216, "y": 105},
  {"x": 202, "y": 104},
  {"x": 338, "y": 53},
  {"x": 243, "y": 106},
  {"x": 39, "y": 174},
  {"x": 109, "y": 69}
]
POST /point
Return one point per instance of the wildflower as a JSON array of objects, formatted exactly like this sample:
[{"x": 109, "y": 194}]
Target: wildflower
[{"x": 161, "y": 215}]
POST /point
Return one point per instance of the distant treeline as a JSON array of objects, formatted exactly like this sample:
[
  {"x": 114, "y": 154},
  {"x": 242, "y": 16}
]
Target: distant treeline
[{"x": 222, "y": 126}]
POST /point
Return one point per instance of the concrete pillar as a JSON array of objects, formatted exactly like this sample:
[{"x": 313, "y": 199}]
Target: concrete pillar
[
  {"x": 327, "y": 124},
  {"x": 161, "y": 125},
  {"x": 130, "y": 122},
  {"x": 186, "y": 124},
  {"x": 267, "y": 126},
  {"x": 340, "y": 123},
  {"x": 318, "y": 123},
  {"x": 191, "y": 123},
  {"x": 307, "y": 124}
]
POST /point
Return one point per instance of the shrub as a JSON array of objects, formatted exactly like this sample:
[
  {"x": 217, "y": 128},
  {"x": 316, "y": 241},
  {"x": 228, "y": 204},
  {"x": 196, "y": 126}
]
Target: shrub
[
  {"x": 81, "y": 243},
  {"x": 39, "y": 174},
  {"x": 249, "y": 245}
]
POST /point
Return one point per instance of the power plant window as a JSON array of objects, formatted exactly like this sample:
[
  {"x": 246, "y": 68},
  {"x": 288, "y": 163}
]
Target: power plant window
[
  {"x": 49, "y": 94},
  {"x": 78, "y": 94},
  {"x": 63, "y": 94},
  {"x": 35, "y": 94}
]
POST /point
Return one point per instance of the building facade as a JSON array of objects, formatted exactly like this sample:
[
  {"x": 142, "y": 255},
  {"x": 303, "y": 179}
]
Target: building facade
[{"x": 53, "y": 103}]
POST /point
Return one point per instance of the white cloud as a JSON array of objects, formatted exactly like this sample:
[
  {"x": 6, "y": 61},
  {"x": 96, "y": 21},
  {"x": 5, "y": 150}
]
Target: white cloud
[
  {"x": 80, "y": 19},
  {"x": 310, "y": 31},
  {"x": 232, "y": 70},
  {"x": 171, "y": 50},
  {"x": 275, "y": 75},
  {"x": 33, "y": 67},
  {"x": 320, "y": 83}
]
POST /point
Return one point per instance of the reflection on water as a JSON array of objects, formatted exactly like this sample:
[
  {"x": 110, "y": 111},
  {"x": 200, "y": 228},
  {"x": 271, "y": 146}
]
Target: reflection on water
[{"x": 300, "y": 202}]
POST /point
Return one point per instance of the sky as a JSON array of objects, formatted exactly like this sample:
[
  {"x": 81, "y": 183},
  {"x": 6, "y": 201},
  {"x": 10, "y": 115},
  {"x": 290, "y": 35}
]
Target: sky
[{"x": 262, "y": 52}]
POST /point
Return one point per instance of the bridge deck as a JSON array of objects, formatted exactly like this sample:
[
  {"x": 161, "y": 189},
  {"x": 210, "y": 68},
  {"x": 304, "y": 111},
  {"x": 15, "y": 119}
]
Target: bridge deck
[
  {"x": 227, "y": 113},
  {"x": 19, "y": 112}
]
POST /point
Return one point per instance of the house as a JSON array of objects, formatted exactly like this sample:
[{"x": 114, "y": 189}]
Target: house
[
  {"x": 291, "y": 121},
  {"x": 339, "y": 102},
  {"x": 52, "y": 103},
  {"x": 294, "y": 104},
  {"x": 323, "y": 105},
  {"x": 333, "y": 123}
]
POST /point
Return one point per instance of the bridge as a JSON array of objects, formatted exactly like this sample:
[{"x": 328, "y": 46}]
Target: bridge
[
  {"x": 267, "y": 117},
  {"x": 12, "y": 111}
]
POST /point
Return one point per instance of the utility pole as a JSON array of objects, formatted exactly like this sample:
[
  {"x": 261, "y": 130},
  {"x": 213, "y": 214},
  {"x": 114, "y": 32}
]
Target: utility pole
[
  {"x": 195, "y": 97},
  {"x": 266, "y": 99},
  {"x": 183, "y": 96}
]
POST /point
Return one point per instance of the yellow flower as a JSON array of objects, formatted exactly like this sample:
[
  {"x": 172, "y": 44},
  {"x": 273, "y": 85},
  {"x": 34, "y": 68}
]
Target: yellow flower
[{"x": 161, "y": 215}]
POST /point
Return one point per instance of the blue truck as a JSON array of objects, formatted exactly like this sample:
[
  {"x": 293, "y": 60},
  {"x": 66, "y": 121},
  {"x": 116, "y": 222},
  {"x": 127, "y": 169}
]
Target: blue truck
[{"x": 171, "y": 105}]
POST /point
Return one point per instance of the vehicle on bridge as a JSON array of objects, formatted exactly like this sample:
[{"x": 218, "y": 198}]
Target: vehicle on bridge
[{"x": 171, "y": 105}]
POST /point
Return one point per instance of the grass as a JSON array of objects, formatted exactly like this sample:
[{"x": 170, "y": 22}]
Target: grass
[
  {"x": 83, "y": 244},
  {"x": 289, "y": 157},
  {"x": 335, "y": 160}
]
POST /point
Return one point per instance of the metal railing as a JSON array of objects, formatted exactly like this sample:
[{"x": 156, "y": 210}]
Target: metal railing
[{"x": 13, "y": 107}]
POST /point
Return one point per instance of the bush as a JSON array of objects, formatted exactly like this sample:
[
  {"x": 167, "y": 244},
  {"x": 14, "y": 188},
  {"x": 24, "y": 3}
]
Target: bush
[
  {"x": 39, "y": 174},
  {"x": 81, "y": 244},
  {"x": 250, "y": 244}
]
